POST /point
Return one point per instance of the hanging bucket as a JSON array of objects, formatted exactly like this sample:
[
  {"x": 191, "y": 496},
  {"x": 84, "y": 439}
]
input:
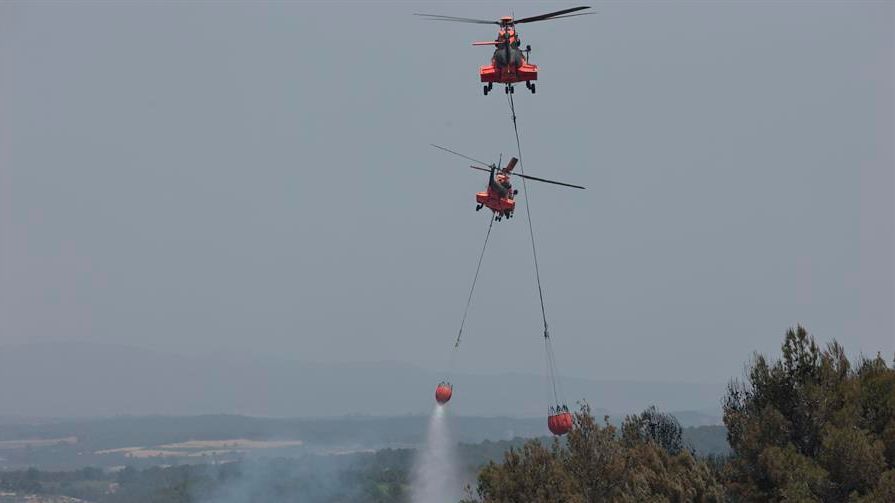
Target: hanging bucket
[
  {"x": 560, "y": 423},
  {"x": 443, "y": 392}
]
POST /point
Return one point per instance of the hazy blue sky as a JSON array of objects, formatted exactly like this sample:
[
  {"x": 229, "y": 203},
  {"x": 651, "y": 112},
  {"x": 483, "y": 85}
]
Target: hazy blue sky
[{"x": 198, "y": 177}]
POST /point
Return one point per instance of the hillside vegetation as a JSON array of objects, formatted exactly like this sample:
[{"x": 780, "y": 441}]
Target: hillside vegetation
[
  {"x": 810, "y": 426},
  {"x": 807, "y": 426}
]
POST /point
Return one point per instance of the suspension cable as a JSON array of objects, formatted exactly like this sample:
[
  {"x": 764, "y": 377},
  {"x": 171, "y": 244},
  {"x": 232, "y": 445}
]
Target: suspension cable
[
  {"x": 475, "y": 279},
  {"x": 548, "y": 348},
  {"x": 531, "y": 232}
]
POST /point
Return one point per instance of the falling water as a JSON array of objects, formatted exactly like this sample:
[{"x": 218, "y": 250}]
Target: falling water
[{"x": 435, "y": 478}]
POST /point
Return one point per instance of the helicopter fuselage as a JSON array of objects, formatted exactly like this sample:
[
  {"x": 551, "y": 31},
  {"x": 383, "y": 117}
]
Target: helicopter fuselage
[
  {"x": 498, "y": 197},
  {"x": 509, "y": 64}
]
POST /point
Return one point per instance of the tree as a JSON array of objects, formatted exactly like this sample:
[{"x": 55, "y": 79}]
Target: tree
[
  {"x": 653, "y": 426},
  {"x": 596, "y": 464},
  {"x": 810, "y": 426},
  {"x": 531, "y": 473}
]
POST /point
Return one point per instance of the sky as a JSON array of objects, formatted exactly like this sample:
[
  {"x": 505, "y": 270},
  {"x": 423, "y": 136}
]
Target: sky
[{"x": 257, "y": 178}]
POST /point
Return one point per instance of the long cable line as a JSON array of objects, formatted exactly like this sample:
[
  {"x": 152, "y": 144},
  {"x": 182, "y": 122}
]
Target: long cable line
[
  {"x": 475, "y": 279},
  {"x": 453, "y": 357},
  {"x": 548, "y": 348},
  {"x": 531, "y": 232}
]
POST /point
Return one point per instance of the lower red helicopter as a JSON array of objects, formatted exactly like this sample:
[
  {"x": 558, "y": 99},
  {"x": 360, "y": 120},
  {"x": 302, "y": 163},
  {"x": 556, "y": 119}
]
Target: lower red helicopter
[
  {"x": 509, "y": 65},
  {"x": 499, "y": 196}
]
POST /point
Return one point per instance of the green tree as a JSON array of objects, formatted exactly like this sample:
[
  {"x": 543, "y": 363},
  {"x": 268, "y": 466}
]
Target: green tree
[
  {"x": 653, "y": 426},
  {"x": 810, "y": 426},
  {"x": 595, "y": 464}
]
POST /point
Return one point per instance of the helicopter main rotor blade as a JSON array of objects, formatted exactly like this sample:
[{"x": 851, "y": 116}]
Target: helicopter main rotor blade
[
  {"x": 529, "y": 177},
  {"x": 570, "y": 15},
  {"x": 439, "y": 17},
  {"x": 463, "y": 156},
  {"x": 542, "y": 17}
]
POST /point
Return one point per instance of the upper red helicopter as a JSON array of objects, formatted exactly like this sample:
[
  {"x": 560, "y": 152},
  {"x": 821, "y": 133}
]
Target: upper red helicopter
[
  {"x": 509, "y": 65},
  {"x": 499, "y": 195}
]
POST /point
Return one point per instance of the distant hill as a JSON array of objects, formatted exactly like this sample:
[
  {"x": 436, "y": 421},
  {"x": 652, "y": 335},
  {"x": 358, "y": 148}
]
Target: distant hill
[
  {"x": 317, "y": 434},
  {"x": 75, "y": 443},
  {"x": 95, "y": 380}
]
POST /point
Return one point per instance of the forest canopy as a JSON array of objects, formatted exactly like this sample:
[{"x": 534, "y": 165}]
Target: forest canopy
[{"x": 808, "y": 426}]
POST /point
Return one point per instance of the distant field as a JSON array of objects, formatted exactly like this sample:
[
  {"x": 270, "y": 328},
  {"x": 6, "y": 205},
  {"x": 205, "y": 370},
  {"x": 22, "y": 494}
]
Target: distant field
[
  {"x": 236, "y": 443},
  {"x": 201, "y": 448}
]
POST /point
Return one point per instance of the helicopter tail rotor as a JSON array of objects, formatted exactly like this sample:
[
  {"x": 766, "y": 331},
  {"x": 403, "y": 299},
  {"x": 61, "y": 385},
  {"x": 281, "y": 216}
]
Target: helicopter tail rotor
[{"x": 510, "y": 165}]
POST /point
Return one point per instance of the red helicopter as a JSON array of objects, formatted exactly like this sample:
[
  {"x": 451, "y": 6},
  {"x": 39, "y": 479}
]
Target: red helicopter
[
  {"x": 509, "y": 65},
  {"x": 499, "y": 196}
]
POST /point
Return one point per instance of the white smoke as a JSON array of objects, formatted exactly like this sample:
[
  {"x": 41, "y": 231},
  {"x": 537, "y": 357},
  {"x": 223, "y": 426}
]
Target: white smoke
[{"x": 435, "y": 474}]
